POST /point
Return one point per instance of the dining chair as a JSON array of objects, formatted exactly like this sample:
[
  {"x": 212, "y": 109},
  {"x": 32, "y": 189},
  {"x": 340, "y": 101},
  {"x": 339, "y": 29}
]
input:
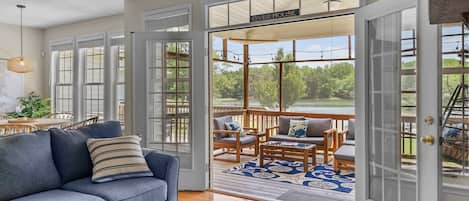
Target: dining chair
[
  {"x": 83, "y": 123},
  {"x": 66, "y": 116},
  {"x": 12, "y": 129}
]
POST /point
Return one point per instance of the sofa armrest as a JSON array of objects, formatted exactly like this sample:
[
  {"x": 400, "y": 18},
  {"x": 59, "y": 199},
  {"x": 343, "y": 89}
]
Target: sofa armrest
[{"x": 164, "y": 167}]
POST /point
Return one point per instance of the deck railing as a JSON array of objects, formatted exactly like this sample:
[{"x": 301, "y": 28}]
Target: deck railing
[{"x": 263, "y": 119}]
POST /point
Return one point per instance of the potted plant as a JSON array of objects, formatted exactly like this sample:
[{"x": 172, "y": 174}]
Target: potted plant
[{"x": 31, "y": 107}]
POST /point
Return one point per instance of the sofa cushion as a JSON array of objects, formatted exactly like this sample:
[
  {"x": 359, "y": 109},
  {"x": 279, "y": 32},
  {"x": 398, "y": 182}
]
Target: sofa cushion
[
  {"x": 308, "y": 140},
  {"x": 117, "y": 158},
  {"x": 69, "y": 149},
  {"x": 135, "y": 189},
  {"x": 284, "y": 123},
  {"x": 26, "y": 165},
  {"x": 56, "y": 195},
  {"x": 244, "y": 140},
  {"x": 316, "y": 127},
  {"x": 351, "y": 130},
  {"x": 345, "y": 152}
]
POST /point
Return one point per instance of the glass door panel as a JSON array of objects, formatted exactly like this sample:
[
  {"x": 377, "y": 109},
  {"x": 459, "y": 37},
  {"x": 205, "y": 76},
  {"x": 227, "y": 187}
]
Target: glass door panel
[
  {"x": 392, "y": 107},
  {"x": 455, "y": 110},
  {"x": 169, "y": 97},
  {"x": 162, "y": 109}
]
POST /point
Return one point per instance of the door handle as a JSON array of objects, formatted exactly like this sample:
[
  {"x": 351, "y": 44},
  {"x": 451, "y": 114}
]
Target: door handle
[{"x": 428, "y": 139}]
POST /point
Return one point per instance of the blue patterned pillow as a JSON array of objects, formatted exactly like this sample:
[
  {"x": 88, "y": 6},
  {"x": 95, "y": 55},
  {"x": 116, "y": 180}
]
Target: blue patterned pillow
[
  {"x": 297, "y": 128},
  {"x": 234, "y": 126}
]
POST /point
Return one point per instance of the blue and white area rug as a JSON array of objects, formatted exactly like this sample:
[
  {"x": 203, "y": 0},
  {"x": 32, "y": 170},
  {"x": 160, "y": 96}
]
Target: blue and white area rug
[{"x": 323, "y": 176}]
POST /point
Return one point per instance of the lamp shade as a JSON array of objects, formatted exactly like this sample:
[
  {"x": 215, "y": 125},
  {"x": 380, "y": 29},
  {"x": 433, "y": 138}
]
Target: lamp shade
[{"x": 19, "y": 65}]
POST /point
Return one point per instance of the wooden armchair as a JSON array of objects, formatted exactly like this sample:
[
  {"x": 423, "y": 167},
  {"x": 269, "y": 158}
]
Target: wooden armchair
[
  {"x": 320, "y": 133},
  {"x": 344, "y": 156},
  {"x": 231, "y": 142}
]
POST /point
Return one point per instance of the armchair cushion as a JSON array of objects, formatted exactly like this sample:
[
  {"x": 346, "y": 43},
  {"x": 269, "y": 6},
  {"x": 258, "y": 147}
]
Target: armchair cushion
[
  {"x": 297, "y": 128},
  {"x": 234, "y": 126},
  {"x": 349, "y": 142},
  {"x": 219, "y": 124},
  {"x": 345, "y": 152},
  {"x": 308, "y": 140},
  {"x": 316, "y": 127},
  {"x": 244, "y": 140},
  {"x": 284, "y": 123},
  {"x": 350, "y": 135},
  {"x": 136, "y": 189}
]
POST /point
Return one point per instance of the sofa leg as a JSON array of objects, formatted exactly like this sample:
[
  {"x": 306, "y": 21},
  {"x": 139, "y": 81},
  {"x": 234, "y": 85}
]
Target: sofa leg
[{"x": 336, "y": 165}]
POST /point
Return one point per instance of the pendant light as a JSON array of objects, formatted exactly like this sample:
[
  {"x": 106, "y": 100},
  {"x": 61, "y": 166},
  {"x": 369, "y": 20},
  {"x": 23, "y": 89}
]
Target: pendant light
[{"x": 20, "y": 64}]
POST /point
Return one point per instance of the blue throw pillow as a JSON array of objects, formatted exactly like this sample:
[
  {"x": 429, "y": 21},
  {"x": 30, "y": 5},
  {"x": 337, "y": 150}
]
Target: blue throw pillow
[
  {"x": 234, "y": 126},
  {"x": 297, "y": 128}
]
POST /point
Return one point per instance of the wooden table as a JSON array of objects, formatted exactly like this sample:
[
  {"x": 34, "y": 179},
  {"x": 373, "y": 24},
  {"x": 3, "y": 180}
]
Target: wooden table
[
  {"x": 39, "y": 123},
  {"x": 299, "y": 152}
]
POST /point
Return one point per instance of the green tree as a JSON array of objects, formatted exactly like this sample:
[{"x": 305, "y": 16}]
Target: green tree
[{"x": 266, "y": 87}]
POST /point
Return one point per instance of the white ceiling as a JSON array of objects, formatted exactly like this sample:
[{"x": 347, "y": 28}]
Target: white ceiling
[{"x": 48, "y": 13}]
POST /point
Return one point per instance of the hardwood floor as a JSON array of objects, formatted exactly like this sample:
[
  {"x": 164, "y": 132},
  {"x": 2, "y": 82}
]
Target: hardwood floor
[{"x": 207, "y": 196}]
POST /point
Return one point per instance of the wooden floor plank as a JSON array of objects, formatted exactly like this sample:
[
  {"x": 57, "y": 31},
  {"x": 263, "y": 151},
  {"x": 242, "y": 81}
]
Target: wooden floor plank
[{"x": 207, "y": 196}]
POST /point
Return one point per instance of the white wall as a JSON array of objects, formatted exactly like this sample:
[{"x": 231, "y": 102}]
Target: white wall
[
  {"x": 109, "y": 24},
  {"x": 10, "y": 47}
]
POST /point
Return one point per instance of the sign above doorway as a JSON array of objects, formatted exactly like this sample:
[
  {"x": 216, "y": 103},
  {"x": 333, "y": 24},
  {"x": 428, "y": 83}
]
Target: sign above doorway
[{"x": 275, "y": 15}]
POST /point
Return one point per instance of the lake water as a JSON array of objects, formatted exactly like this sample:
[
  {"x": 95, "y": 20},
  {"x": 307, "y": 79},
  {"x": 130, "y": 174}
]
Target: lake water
[{"x": 322, "y": 110}]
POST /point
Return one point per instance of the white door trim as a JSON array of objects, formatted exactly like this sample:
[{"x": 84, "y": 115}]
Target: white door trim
[{"x": 429, "y": 104}]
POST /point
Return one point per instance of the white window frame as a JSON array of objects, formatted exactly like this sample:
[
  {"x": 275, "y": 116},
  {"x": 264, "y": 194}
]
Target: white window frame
[
  {"x": 78, "y": 85},
  {"x": 115, "y": 65},
  {"x": 166, "y": 13},
  {"x": 210, "y": 3},
  {"x": 82, "y": 66},
  {"x": 54, "y": 68}
]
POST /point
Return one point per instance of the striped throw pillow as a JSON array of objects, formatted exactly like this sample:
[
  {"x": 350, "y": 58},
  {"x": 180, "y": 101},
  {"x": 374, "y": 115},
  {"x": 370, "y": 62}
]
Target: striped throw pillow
[{"x": 117, "y": 158}]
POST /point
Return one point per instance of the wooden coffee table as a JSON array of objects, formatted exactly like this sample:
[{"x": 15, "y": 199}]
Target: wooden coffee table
[{"x": 292, "y": 152}]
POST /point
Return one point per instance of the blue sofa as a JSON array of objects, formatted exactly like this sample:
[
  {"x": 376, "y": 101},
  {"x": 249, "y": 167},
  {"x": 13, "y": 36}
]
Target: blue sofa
[{"x": 54, "y": 165}]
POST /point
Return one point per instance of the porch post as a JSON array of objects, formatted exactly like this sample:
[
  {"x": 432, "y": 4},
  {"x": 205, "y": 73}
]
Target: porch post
[
  {"x": 225, "y": 49},
  {"x": 246, "y": 83}
]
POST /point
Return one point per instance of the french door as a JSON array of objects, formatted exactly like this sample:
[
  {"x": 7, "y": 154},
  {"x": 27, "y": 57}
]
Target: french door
[
  {"x": 398, "y": 108},
  {"x": 170, "y": 100}
]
